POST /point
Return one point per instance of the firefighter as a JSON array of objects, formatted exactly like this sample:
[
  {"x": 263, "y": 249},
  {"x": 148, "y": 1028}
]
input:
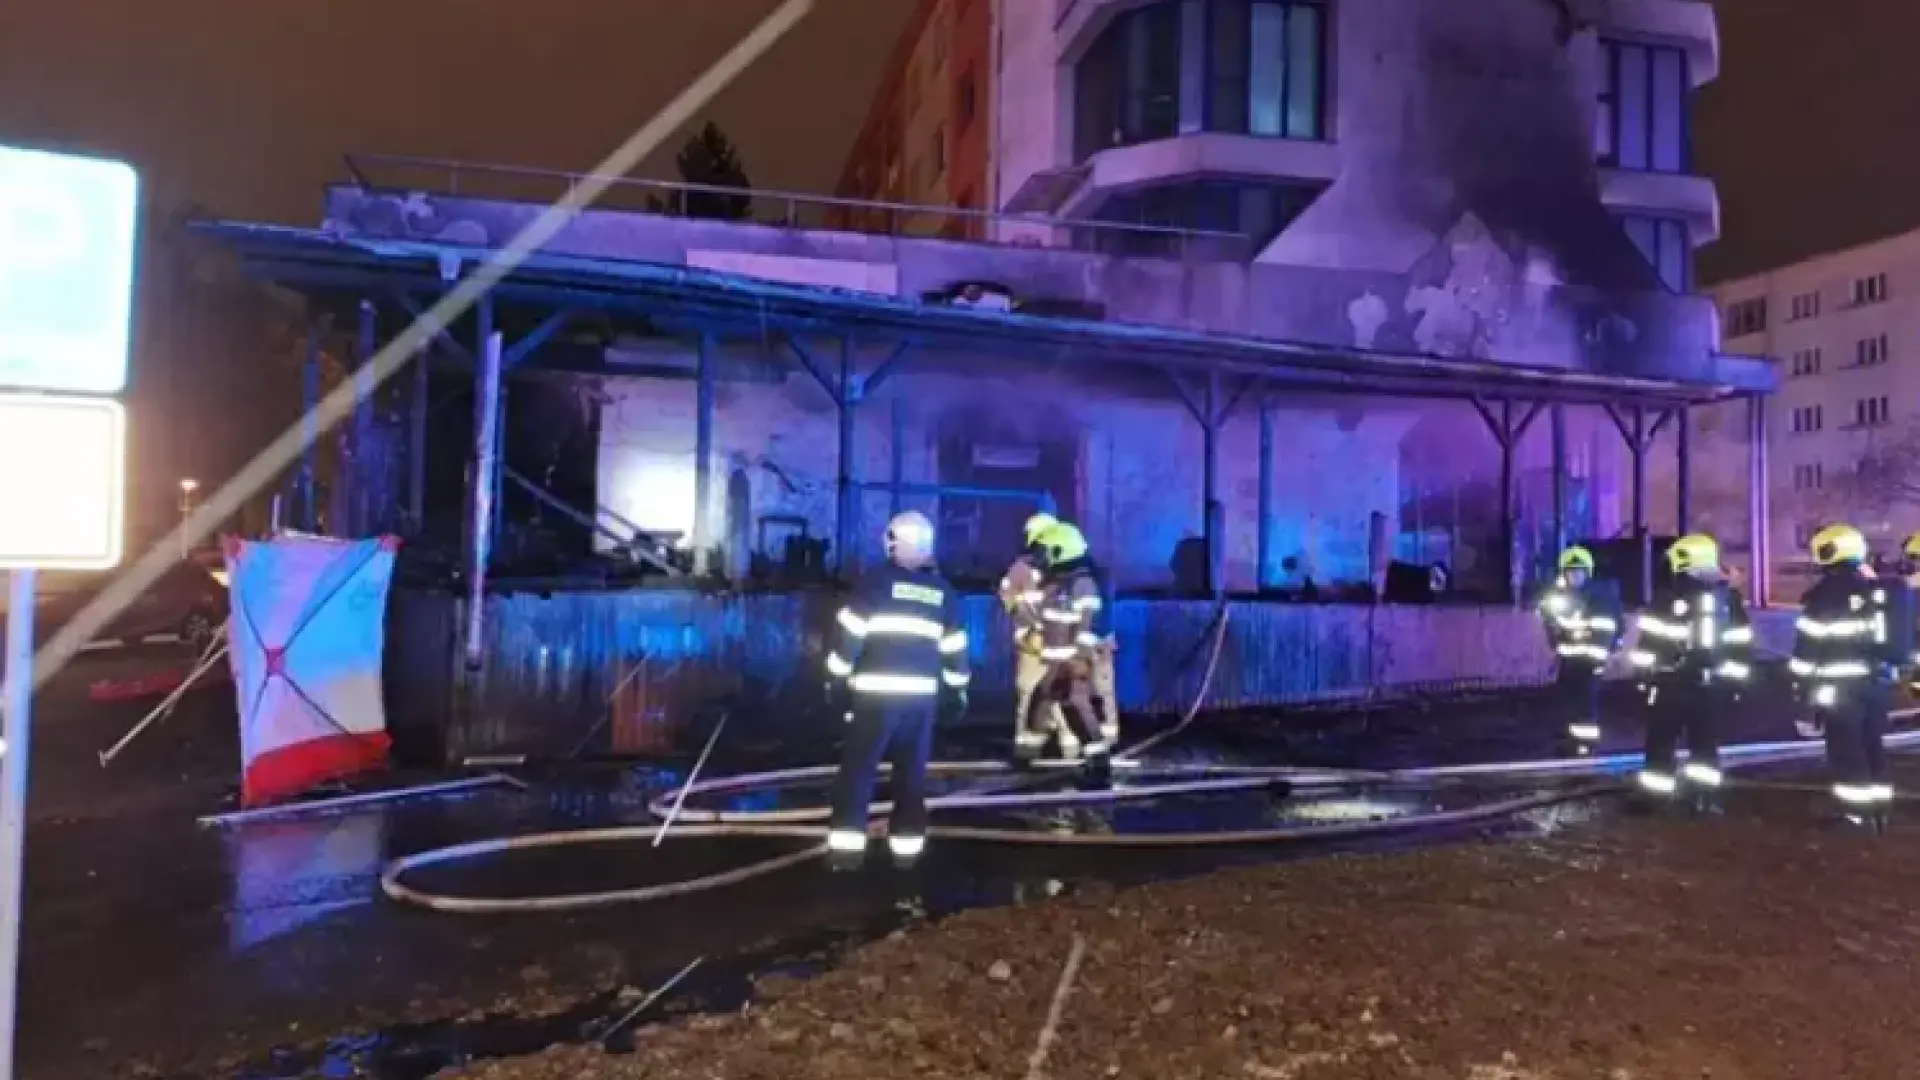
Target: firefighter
[
  {"x": 1694, "y": 652},
  {"x": 1033, "y": 535},
  {"x": 1584, "y": 620},
  {"x": 1022, "y": 596},
  {"x": 1068, "y": 645},
  {"x": 1854, "y": 632},
  {"x": 1099, "y": 605},
  {"x": 1910, "y": 576},
  {"x": 901, "y": 641}
]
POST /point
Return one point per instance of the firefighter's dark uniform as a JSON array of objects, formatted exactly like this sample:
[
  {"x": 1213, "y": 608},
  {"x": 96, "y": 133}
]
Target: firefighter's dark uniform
[
  {"x": 1695, "y": 650},
  {"x": 1585, "y": 621},
  {"x": 901, "y": 641},
  {"x": 1853, "y": 634}
]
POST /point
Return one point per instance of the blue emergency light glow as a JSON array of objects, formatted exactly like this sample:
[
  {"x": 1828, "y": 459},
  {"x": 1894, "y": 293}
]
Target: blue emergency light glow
[{"x": 68, "y": 228}]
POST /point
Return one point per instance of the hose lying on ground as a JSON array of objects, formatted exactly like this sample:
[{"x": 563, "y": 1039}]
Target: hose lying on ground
[{"x": 1737, "y": 756}]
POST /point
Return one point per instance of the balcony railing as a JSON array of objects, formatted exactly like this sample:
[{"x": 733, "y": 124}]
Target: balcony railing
[{"x": 794, "y": 210}]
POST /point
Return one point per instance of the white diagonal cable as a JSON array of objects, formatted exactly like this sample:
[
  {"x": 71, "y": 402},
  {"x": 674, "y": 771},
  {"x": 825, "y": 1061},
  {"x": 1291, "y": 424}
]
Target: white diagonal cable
[{"x": 336, "y": 406}]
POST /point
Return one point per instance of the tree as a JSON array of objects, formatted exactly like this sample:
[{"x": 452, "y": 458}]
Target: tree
[
  {"x": 709, "y": 159},
  {"x": 1885, "y": 483}
]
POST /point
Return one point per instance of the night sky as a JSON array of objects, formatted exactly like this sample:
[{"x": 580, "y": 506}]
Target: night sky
[{"x": 242, "y": 109}]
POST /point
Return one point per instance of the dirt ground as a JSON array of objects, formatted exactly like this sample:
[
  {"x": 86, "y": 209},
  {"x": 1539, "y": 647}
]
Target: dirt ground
[{"x": 1764, "y": 944}]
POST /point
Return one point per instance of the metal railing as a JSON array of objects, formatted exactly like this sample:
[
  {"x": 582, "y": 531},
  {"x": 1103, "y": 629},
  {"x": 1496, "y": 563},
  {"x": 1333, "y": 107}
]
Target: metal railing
[{"x": 787, "y": 209}]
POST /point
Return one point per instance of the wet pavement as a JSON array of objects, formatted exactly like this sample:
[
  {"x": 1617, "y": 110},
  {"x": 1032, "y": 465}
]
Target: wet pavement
[{"x": 155, "y": 947}]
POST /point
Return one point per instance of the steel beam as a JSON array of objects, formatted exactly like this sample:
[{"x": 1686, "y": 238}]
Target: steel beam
[
  {"x": 1508, "y": 425},
  {"x": 846, "y": 521},
  {"x": 1683, "y": 463},
  {"x": 363, "y": 392},
  {"x": 482, "y": 494},
  {"x": 310, "y": 423},
  {"x": 703, "y": 456},
  {"x": 1262, "y": 576},
  {"x": 1759, "y": 504},
  {"x": 1557, "y": 419},
  {"x": 417, "y": 442}
]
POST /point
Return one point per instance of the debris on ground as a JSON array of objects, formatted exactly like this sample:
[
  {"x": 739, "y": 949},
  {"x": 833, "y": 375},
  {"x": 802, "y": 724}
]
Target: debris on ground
[{"x": 1745, "y": 948}]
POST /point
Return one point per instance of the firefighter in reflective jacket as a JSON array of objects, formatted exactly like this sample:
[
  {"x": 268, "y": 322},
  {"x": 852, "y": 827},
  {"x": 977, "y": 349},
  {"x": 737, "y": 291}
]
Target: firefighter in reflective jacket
[
  {"x": 1068, "y": 647},
  {"x": 900, "y": 642},
  {"x": 1853, "y": 634},
  {"x": 1910, "y": 574},
  {"x": 1584, "y": 622},
  {"x": 1063, "y": 540},
  {"x": 1022, "y": 597},
  {"x": 1694, "y": 652}
]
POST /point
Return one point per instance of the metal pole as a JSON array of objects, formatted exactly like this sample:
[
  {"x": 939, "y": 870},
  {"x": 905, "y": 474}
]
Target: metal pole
[
  {"x": 1210, "y": 490},
  {"x": 898, "y": 502},
  {"x": 486, "y": 467},
  {"x": 1512, "y": 564},
  {"x": 1640, "y": 534},
  {"x": 843, "y": 524},
  {"x": 1759, "y": 504},
  {"x": 310, "y": 430},
  {"x": 363, "y": 389},
  {"x": 1265, "y": 500},
  {"x": 1683, "y": 461},
  {"x": 1557, "y": 421},
  {"x": 16, "y": 749},
  {"x": 417, "y": 443},
  {"x": 703, "y": 457}
]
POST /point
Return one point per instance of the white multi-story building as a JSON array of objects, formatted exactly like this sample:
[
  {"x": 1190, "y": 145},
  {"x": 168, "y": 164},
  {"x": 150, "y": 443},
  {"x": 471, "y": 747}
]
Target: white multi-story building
[{"x": 1841, "y": 434}]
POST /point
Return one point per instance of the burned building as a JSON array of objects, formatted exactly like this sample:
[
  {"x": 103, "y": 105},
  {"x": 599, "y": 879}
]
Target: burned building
[{"x": 1269, "y": 296}]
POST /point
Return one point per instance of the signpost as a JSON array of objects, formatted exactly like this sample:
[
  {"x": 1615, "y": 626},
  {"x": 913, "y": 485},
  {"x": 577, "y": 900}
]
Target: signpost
[{"x": 68, "y": 227}]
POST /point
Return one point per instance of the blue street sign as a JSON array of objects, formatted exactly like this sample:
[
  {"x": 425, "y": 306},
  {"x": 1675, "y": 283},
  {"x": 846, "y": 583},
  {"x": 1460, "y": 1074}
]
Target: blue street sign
[{"x": 67, "y": 234}]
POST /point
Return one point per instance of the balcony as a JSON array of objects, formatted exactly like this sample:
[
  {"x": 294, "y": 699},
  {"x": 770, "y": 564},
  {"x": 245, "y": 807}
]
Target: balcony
[
  {"x": 1205, "y": 154},
  {"x": 1691, "y": 199},
  {"x": 1689, "y": 24}
]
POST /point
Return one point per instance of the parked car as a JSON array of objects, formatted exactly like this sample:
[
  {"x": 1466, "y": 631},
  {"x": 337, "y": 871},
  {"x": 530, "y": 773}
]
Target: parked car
[{"x": 188, "y": 602}]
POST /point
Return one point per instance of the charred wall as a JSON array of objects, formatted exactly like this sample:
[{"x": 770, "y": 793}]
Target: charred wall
[{"x": 1118, "y": 453}]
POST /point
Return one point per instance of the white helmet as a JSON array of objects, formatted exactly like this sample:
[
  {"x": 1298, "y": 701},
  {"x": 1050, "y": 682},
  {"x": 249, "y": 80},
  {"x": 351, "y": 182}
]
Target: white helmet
[{"x": 910, "y": 540}]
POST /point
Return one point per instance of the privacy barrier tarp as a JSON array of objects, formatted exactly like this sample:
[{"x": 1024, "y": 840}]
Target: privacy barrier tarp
[{"x": 307, "y": 636}]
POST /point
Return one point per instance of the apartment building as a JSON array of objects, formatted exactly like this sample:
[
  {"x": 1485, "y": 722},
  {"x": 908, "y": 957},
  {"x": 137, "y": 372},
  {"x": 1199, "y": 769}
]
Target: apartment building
[
  {"x": 1843, "y": 330},
  {"x": 1241, "y": 115},
  {"x": 925, "y": 139}
]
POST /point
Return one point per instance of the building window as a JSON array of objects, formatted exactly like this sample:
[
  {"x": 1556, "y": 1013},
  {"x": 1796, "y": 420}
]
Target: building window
[
  {"x": 965, "y": 102},
  {"x": 1870, "y": 352},
  {"x": 1871, "y": 412},
  {"x": 1805, "y": 362},
  {"x": 1804, "y": 306},
  {"x": 1746, "y": 317},
  {"x": 1254, "y": 210},
  {"x": 1807, "y": 477},
  {"x": 1127, "y": 86},
  {"x": 1640, "y": 118},
  {"x": 1667, "y": 247},
  {"x": 1807, "y": 419},
  {"x": 1867, "y": 290},
  {"x": 1265, "y": 68}
]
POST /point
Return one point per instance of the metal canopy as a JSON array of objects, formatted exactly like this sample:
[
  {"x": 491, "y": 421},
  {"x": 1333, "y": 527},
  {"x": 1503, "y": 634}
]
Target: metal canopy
[{"x": 707, "y": 301}]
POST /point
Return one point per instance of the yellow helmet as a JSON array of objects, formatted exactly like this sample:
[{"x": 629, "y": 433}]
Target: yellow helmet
[
  {"x": 1576, "y": 558},
  {"x": 1695, "y": 551},
  {"x": 1064, "y": 543},
  {"x": 1037, "y": 526},
  {"x": 1838, "y": 544},
  {"x": 1911, "y": 548}
]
